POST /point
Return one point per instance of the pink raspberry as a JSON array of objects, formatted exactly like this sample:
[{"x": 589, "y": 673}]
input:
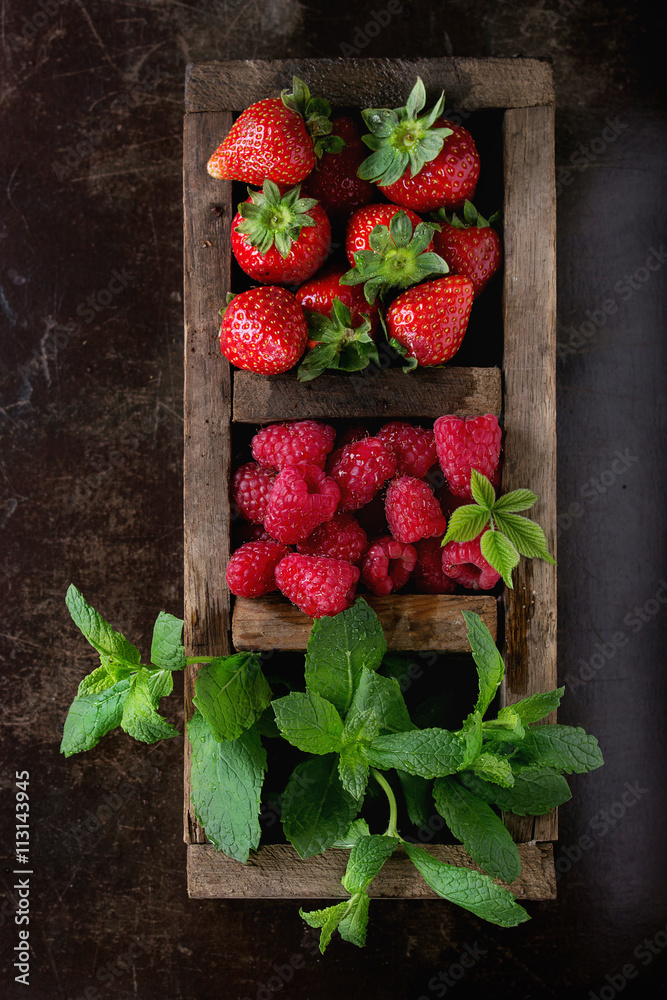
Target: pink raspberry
[
  {"x": 428, "y": 576},
  {"x": 387, "y": 565},
  {"x": 413, "y": 447},
  {"x": 251, "y": 487},
  {"x": 301, "y": 499},
  {"x": 251, "y": 569},
  {"x": 317, "y": 585},
  {"x": 464, "y": 562},
  {"x": 303, "y": 442},
  {"x": 412, "y": 510},
  {"x": 361, "y": 469},
  {"x": 465, "y": 444},
  {"x": 341, "y": 538}
]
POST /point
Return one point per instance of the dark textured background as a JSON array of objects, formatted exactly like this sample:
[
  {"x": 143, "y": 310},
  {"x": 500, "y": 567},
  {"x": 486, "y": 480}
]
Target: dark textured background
[{"x": 91, "y": 480}]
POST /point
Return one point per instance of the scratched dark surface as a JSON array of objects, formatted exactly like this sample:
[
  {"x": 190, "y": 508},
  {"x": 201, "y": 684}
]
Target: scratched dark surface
[{"x": 90, "y": 295}]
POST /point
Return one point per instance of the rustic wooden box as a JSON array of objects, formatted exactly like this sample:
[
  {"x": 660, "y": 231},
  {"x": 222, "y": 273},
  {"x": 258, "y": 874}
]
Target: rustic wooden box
[{"x": 523, "y": 393}]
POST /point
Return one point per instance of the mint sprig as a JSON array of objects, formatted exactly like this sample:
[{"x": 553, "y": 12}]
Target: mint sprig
[{"x": 506, "y": 536}]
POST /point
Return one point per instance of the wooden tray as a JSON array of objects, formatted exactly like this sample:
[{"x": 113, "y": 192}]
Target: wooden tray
[{"x": 523, "y": 394}]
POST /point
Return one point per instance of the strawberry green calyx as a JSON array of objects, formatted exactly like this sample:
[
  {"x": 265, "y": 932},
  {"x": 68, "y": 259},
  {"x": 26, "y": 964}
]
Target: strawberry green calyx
[
  {"x": 338, "y": 344},
  {"x": 271, "y": 218},
  {"x": 400, "y": 138},
  {"x": 316, "y": 113},
  {"x": 398, "y": 258},
  {"x": 471, "y": 218}
]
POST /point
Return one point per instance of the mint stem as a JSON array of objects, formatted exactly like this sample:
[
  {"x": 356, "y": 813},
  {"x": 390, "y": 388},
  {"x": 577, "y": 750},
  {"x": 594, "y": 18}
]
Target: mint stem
[{"x": 391, "y": 830}]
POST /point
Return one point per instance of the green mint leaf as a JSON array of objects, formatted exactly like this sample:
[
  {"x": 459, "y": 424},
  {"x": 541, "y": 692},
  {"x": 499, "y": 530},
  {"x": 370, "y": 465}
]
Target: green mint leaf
[
  {"x": 418, "y": 794},
  {"x": 537, "y": 706},
  {"x": 309, "y": 722},
  {"x": 507, "y": 721},
  {"x": 366, "y": 859},
  {"x": 536, "y": 791},
  {"x": 266, "y": 724},
  {"x": 526, "y": 536},
  {"x": 327, "y": 919},
  {"x": 516, "y": 500},
  {"x": 565, "y": 748},
  {"x": 338, "y": 647},
  {"x": 227, "y": 783},
  {"x": 472, "y": 735},
  {"x": 140, "y": 716},
  {"x": 481, "y": 831},
  {"x": 317, "y": 811},
  {"x": 489, "y": 662},
  {"x": 112, "y": 646},
  {"x": 358, "y": 828},
  {"x": 92, "y": 716},
  {"x": 353, "y": 926},
  {"x": 231, "y": 693},
  {"x": 430, "y": 753},
  {"x": 384, "y": 697},
  {"x": 167, "y": 650},
  {"x": 494, "y": 768},
  {"x": 499, "y": 553},
  {"x": 482, "y": 491},
  {"x": 466, "y": 523},
  {"x": 353, "y": 770},
  {"x": 472, "y": 890},
  {"x": 98, "y": 680}
]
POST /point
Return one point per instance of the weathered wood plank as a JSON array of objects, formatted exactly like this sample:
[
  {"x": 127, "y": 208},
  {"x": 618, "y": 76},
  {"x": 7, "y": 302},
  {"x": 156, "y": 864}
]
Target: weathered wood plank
[
  {"x": 468, "y": 83},
  {"x": 207, "y": 409},
  {"x": 410, "y": 621},
  {"x": 384, "y": 393},
  {"x": 278, "y": 872},
  {"x": 530, "y": 403}
]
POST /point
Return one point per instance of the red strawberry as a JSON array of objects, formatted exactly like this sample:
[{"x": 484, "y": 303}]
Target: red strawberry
[
  {"x": 471, "y": 248},
  {"x": 263, "y": 330},
  {"x": 274, "y": 138},
  {"x": 334, "y": 181},
  {"x": 280, "y": 238},
  {"x": 319, "y": 292},
  {"x": 423, "y": 162},
  {"x": 427, "y": 323},
  {"x": 364, "y": 221}
]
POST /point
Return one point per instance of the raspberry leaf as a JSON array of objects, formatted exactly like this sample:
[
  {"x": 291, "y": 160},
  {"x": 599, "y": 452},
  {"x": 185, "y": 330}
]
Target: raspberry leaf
[
  {"x": 526, "y": 536},
  {"x": 466, "y": 523},
  {"x": 489, "y": 662},
  {"x": 515, "y": 501},
  {"x": 429, "y": 753},
  {"x": 316, "y": 809},
  {"x": 91, "y": 716},
  {"x": 309, "y": 722},
  {"x": 500, "y": 553},
  {"x": 472, "y": 890},
  {"x": 482, "y": 491},
  {"x": 338, "y": 648},
  {"x": 231, "y": 693},
  {"x": 535, "y": 791},
  {"x": 227, "y": 781},
  {"x": 167, "y": 650},
  {"x": 481, "y": 831}
]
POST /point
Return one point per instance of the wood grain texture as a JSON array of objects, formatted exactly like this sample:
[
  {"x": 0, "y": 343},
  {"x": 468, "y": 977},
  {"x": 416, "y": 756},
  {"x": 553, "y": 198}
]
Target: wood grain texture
[
  {"x": 278, "y": 872},
  {"x": 384, "y": 393},
  {"x": 468, "y": 83},
  {"x": 529, "y": 367},
  {"x": 410, "y": 621},
  {"x": 207, "y": 411}
]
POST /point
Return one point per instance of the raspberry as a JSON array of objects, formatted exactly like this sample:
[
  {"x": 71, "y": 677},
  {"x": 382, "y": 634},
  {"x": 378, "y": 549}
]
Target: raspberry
[
  {"x": 464, "y": 562},
  {"x": 462, "y": 445},
  {"x": 387, "y": 565},
  {"x": 303, "y": 442},
  {"x": 413, "y": 447},
  {"x": 428, "y": 575},
  {"x": 317, "y": 585},
  {"x": 361, "y": 469},
  {"x": 341, "y": 538},
  {"x": 251, "y": 487},
  {"x": 301, "y": 499},
  {"x": 251, "y": 569},
  {"x": 412, "y": 510}
]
